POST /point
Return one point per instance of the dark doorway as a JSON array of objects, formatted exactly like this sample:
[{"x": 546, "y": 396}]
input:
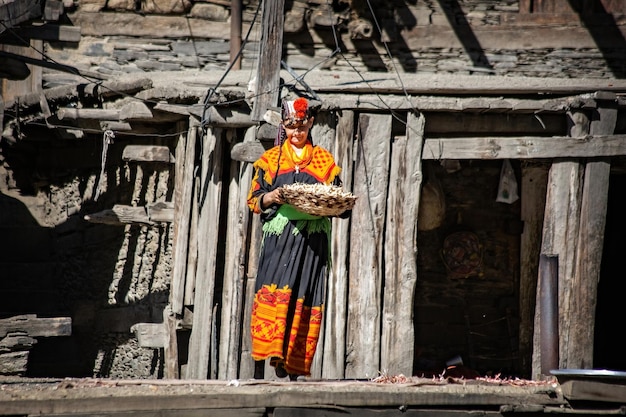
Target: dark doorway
[{"x": 609, "y": 347}]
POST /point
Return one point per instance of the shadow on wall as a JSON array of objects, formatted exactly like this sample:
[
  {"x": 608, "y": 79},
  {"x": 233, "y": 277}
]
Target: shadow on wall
[{"x": 72, "y": 269}]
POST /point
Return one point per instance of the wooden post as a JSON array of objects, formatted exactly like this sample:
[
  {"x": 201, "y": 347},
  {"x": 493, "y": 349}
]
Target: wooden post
[
  {"x": 183, "y": 186},
  {"x": 270, "y": 53},
  {"x": 594, "y": 200},
  {"x": 560, "y": 230},
  {"x": 233, "y": 290},
  {"x": 549, "y": 305},
  {"x": 533, "y": 202},
  {"x": 210, "y": 190},
  {"x": 366, "y": 271},
  {"x": 334, "y": 350},
  {"x": 401, "y": 248}
]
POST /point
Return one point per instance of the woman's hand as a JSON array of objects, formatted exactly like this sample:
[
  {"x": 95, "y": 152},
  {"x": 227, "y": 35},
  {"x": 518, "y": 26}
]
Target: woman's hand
[{"x": 273, "y": 197}]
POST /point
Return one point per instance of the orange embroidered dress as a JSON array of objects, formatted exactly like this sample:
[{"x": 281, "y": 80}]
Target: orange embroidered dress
[{"x": 294, "y": 259}]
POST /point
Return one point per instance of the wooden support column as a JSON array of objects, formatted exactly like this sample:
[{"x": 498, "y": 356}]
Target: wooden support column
[
  {"x": 373, "y": 153},
  {"x": 334, "y": 350},
  {"x": 249, "y": 259},
  {"x": 202, "y": 339},
  {"x": 233, "y": 289},
  {"x": 270, "y": 53},
  {"x": 559, "y": 238},
  {"x": 579, "y": 335},
  {"x": 533, "y": 201},
  {"x": 183, "y": 187},
  {"x": 401, "y": 248}
]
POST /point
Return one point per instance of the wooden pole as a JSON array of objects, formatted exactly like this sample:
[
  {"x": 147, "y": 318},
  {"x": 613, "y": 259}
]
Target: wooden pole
[
  {"x": 549, "y": 305},
  {"x": 270, "y": 51}
]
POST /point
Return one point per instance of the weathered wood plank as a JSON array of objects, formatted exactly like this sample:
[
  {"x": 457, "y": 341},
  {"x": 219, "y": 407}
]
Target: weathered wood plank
[
  {"x": 214, "y": 395},
  {"x": 533, "y": 201},
  {"x": 579, "y": 334},
  {"x": 171, "y": 324},
  {"x": 36, "y": 326},
  {"x": 225, "y": 117},
  {"x": 560, "y": 228},
  {"x": 425, "y": 103},
  {"x": 405, "y": 182},
  {"x": 371, "y": 179},
  {"x": 493, "y": 124},
  {"x": 247, "y": 151},
  {"x": 201, "y": 340},
  {"x": 267, "y": 89},
  {"x": 233, "y": 289},
  {"x": 131, "y": 111},
  {"x": 13, "y": 363},
  {"x": 594, "y": 391},
  {"x": 121, "y": 214},
  {"x": 248, "y": 259},
  {"x": 16, "y": 341},
  {"x": 217, "y": 412},
  {"x": 334, "y": 347},
  {"x": 183, "y": 192},
  {"x": 525, "y": 147},
  {"x": 147, "y": 153},
  {"x": 150, "y": 335},
  {"x": 372, "y": 412},
  {"x": 192, "y": 251},
  {"x": 323, "y": 133},
  {"x": 151, "y": 26}
]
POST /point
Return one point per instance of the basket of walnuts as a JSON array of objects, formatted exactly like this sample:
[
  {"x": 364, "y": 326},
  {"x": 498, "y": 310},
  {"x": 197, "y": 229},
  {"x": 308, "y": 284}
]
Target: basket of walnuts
[{"x": 318, "y": 199}]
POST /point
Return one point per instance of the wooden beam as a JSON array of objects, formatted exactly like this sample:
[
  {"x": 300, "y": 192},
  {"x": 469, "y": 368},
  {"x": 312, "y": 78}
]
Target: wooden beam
[
  {"x": 148, "y": 153},
  {"x": 224, "y": 117},
  {"x": 150, "y": 335},
  {"x": 491, "y": 124},
  {"x": 46, "y": 32},
  {"x": 247, "y": 151},
  {"x": 525, "y": 147},
  {"x": 120, "y": 215},
  {"x": 588, "y": 390},
  {"x": 36, "y": 326},
  {"x": 151, "y": 26},
  {"x": 104, "y": 90}
]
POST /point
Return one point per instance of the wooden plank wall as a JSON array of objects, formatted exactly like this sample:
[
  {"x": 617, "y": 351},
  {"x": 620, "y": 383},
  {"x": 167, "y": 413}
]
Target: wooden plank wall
[
  {"x": 370, "y": 290},
  {"x": 379, "y": 268}
]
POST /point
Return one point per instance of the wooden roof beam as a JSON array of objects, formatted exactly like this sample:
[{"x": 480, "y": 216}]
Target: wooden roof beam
[{"x": 526, "y": 147}]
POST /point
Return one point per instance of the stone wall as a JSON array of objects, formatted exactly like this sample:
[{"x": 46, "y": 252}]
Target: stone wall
[
  {"x": 55, "y": 264},
  {"x": 469, "y": 37}
]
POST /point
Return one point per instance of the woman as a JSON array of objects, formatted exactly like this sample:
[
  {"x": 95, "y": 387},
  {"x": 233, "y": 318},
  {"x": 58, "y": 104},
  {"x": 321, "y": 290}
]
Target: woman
[{"x": 288, "y": 303}]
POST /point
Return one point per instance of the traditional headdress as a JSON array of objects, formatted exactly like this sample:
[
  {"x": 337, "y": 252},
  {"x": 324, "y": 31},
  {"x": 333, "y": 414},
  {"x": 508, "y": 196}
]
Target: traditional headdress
[{"x": 293, "y": 113}]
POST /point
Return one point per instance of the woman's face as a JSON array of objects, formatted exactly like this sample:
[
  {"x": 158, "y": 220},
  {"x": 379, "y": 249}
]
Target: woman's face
[{"x": 298, "y": 134}]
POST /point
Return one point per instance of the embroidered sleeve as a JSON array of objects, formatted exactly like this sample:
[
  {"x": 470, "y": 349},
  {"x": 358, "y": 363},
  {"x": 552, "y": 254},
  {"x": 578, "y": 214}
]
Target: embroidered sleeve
[{"x": 258, "y": 187}]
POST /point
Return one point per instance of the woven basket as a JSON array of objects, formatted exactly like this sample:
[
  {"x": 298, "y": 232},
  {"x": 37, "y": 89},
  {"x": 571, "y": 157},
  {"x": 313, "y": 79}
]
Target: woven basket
[{"x": 318, "y": 199}]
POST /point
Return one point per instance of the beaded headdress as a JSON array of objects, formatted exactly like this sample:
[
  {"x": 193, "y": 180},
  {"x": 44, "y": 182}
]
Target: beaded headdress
[{"x": 293, "y": 113}]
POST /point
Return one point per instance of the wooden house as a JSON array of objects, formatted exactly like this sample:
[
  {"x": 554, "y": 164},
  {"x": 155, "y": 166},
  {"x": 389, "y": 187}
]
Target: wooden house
[{"x": 487, "y": 226}]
